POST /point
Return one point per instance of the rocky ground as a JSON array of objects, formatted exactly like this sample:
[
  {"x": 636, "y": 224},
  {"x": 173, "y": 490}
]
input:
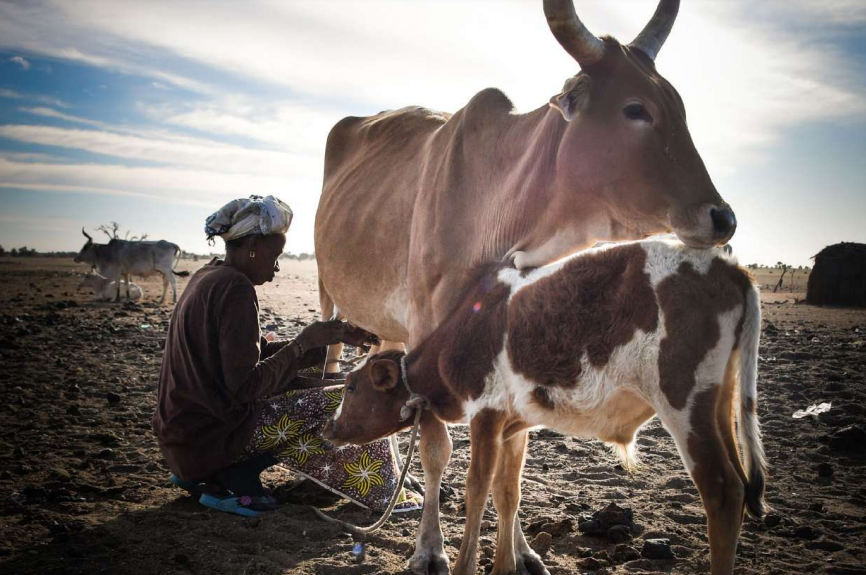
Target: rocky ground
[{"x": 83, "y": 488}]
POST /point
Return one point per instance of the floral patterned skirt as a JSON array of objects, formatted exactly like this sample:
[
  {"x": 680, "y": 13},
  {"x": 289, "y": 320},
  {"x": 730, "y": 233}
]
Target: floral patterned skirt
[{"x": 289, "y": 428}]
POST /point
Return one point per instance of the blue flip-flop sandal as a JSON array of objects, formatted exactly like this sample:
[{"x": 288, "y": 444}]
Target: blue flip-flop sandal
[
  {"x": 193, "y": 487},
  {"x": 227, "y": 504}
]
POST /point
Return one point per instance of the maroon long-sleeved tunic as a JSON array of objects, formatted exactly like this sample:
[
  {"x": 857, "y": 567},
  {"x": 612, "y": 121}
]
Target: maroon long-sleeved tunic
[{"x": 216, "y": 372}]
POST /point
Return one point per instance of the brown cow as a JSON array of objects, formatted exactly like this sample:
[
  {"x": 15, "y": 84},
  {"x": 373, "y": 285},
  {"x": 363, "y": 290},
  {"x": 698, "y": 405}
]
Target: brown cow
[
  {"x": 413, "y": 200},
  {"x": 592, "y": 346}
]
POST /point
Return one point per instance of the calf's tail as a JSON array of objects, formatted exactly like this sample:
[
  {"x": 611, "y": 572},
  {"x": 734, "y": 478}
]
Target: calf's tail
[{"x": 748, "y": 428}]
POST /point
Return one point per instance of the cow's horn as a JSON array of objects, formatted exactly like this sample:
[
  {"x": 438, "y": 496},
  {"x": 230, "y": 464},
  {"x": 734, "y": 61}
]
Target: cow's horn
[
  {"x": 85, "y": 235},
  {"x": 653, "y": 36},
  {"x": 578, "y": 41}
]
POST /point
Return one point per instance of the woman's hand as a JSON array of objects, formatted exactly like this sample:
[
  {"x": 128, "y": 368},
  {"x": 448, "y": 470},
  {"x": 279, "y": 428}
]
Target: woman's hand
[{"x": 322, "y": 333}]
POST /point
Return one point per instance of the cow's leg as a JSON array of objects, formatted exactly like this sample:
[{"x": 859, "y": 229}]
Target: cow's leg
[
  {"x": 329, "y": 312},
  {"x": 126, "y": 280},
  {"x": 117, "y": 282},
  {"x": 486, "y": 448},
  {"x": 702, "y": 444},
  {"x": 528, "y": 561},
  {"x": 173, "y": 281},
  {"x": 164, "y": 287},
  {"x": 435, "y": 448}
]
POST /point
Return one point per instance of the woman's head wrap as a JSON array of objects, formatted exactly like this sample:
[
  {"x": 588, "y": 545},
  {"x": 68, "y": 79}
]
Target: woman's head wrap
[{"x": 243, "y": 217}]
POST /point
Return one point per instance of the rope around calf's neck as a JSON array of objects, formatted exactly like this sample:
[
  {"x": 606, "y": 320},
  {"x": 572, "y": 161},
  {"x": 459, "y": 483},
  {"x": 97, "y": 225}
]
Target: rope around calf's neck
[{"x": 419, "y": 403}]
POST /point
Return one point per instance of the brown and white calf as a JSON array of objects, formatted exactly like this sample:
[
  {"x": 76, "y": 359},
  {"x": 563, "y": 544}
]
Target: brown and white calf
[{"x": 591, "y": 346}]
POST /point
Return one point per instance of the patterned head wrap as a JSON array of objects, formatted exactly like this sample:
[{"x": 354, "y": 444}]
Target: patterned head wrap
[{"x": 243, "y": 217}]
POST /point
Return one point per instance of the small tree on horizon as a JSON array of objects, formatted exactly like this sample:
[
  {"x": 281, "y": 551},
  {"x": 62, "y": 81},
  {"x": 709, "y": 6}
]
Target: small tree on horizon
[{"x": 112, "y": 232}]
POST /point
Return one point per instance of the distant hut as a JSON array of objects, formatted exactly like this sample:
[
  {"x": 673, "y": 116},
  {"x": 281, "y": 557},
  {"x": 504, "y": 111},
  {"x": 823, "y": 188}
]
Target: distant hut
[{"x": 839, "y": 276}]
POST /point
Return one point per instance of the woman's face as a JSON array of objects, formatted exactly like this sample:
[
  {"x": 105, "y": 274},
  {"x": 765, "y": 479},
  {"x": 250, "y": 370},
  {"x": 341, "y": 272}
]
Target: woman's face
[{"x": 262, "y": 268}]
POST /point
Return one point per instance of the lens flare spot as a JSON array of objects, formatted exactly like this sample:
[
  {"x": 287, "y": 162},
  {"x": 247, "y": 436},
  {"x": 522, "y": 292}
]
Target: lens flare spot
[{"x": 477, "y": 307}]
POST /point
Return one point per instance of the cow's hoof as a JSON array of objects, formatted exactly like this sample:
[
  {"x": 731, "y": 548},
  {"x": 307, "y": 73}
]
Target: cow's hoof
[
  {"x": 429, "y": 563},
  {"x": 530, "y": 563},
  {"x": 414, "y": 483},
  {"x": 446, "y": 492}
]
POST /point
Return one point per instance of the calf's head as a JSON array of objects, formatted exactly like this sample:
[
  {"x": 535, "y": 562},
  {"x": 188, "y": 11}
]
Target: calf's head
[{"x": 372, "y": 399}]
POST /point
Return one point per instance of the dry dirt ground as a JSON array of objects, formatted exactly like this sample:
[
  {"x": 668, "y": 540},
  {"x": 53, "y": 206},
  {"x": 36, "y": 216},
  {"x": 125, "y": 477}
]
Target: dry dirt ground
[{"x": 83, "y": 488}]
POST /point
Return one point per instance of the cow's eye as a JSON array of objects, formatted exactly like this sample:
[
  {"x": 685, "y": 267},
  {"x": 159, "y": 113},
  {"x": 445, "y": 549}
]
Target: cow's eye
[
  {"x": 636, "y": 111},
  {"x": 350, "y": 388}
]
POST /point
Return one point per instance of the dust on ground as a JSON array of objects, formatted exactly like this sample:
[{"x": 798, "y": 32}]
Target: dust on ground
[{"x": 83, "y": 488}]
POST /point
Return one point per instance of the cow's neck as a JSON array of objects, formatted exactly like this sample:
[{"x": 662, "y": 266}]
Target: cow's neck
[{"x": 519, "y": 202}]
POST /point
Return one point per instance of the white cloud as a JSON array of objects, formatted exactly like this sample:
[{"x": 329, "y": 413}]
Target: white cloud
[
  {"x": 20, "y": 61},
  {"x": 190, "y": 152},
  {"x": 15, "y": 95},
  {"x": 744, "y": 79}
]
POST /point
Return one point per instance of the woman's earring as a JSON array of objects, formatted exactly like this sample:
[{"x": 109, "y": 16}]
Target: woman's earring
[{"x": 252, "y": 254}]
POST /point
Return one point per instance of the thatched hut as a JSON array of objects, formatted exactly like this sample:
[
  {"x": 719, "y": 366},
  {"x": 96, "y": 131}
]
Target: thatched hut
[{"x": 839, "y": 276}]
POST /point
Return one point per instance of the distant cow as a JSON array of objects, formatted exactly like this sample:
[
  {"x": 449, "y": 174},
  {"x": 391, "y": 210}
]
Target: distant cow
[
  {"x": 591, "y": 346},
  {"x": 104, "y": 288},
  {"x": 122, "y": 258}
]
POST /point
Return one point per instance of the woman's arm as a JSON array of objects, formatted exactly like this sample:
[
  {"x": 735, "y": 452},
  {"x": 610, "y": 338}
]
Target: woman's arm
[{"x": 247, "y": 378}]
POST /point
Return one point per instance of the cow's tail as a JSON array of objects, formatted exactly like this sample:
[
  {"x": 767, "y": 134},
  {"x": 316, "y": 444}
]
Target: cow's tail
[
  {"x": 748, "y": 428},
  {"x": 177, "y": 253}
]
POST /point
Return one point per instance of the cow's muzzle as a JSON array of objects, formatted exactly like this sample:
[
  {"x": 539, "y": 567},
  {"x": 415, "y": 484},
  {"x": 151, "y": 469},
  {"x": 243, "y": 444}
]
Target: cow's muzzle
[{"x": 724, "y": 223}]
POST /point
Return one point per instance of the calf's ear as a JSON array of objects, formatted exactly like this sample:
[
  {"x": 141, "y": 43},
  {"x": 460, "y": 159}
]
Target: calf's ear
[{"x": 385, "y": 374}]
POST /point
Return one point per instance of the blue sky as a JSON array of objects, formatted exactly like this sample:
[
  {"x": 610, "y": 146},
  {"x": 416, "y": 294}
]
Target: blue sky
[{"x": 153, "y": 114}]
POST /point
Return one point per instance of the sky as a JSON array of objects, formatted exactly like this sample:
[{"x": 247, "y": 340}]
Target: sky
[{"x": 155, "y": 113}]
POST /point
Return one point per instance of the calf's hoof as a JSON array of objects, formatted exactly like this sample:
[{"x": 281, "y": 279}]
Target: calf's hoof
[
  {"x": 531, "y": 564},
  {"x": 429, "y": 563}
]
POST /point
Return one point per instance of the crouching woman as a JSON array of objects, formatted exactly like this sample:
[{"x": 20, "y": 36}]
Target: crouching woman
[{"x": 230, "y": 403}]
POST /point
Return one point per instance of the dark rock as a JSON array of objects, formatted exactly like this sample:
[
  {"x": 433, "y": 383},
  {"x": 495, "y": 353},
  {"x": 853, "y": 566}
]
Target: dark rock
[
  {"x": 624, "y": 553},
  {"x": 849, "y": 438},
  {"x": 112, "y": 398},
  {"x": 106, "y": 454},
  {"x": 619, "y": 533},
  {"x": 657, "y": 549},
  {"x": 542, "y": 542},
  {"x": 806, "y": 532},
  {"x": 590, "y": 563},
  {"x": 824, "y": 470},
  {"x": 772, "y": 520},
  {"x": 73, "y": 410},
  {"x": 606, "y": 518}
]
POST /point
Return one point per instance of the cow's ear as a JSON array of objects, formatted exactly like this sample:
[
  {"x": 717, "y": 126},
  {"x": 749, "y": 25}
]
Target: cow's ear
[
  {"x": 574, "y": 97},
  {"x": 385, "y": 374}
]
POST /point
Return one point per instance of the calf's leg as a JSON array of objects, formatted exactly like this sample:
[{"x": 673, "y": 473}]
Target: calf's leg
[
  {"x": 435, "y": 449},
  {"x": 486, "y": 447},
  {"x": 702, "y": 445},
  {"x": 506, "y": 499}
]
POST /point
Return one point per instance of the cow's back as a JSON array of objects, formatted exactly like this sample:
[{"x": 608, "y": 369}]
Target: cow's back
[{"x": 372, "y": 169}]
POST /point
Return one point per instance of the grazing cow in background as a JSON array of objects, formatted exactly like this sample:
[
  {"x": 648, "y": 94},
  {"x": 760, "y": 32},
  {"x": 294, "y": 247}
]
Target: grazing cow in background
[
  {"x": 121, "y": 258},
  {"x": 104, "y": 288},
  {"x": 413, "y": 200},
  {"x": 591, "y": 346}
]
